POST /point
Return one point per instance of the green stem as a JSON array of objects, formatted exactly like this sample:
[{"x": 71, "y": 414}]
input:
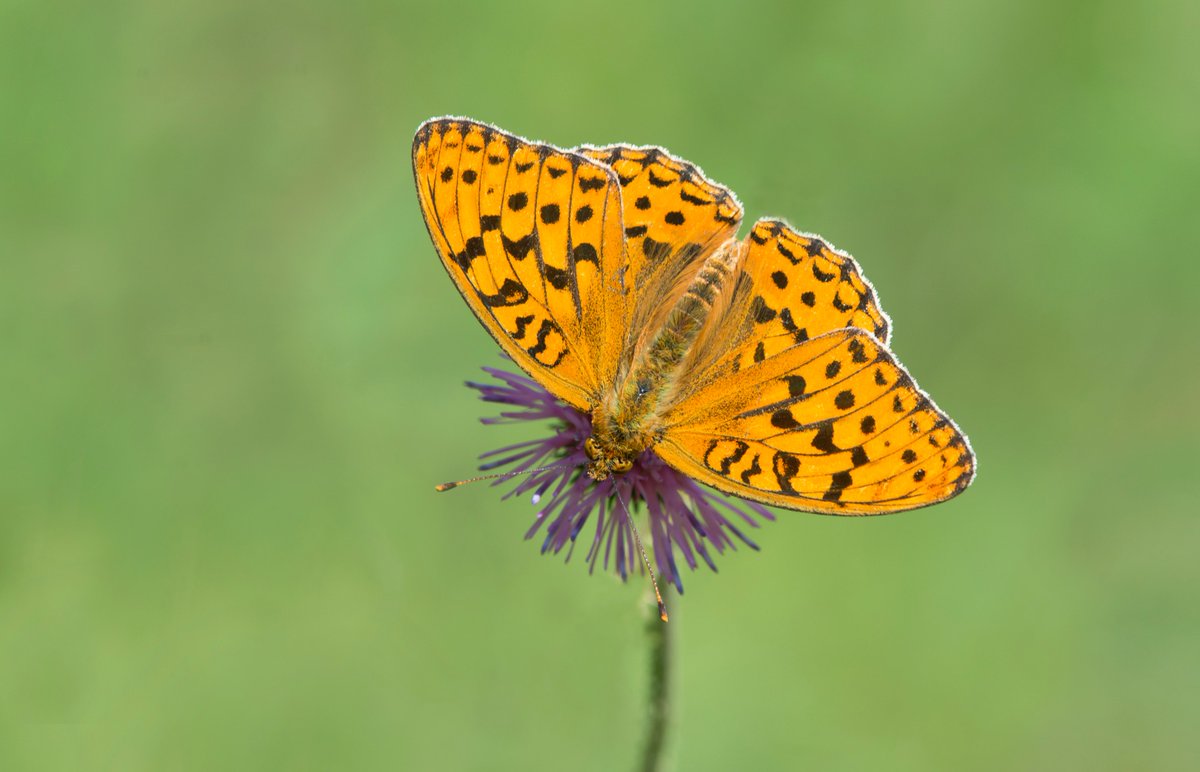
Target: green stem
[{"x": 658, "y": 635}]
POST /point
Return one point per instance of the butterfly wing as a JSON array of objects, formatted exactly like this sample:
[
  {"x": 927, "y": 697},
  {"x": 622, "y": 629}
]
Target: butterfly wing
[
  {"x": 674, "y": 217},
  {"x": 832, "y": 425},
  {"x": 793, "y": 286},
  {"x": 533, "y": 238},
  {"x": 798, "y": 407},
  {"x": 807, "y": 287}
]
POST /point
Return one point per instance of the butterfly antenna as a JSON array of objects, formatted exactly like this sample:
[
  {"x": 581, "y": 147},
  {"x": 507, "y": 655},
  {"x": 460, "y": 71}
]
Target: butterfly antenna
[
  {"x": 499, "y": 475},
  {"x": 662, "y": 607}
]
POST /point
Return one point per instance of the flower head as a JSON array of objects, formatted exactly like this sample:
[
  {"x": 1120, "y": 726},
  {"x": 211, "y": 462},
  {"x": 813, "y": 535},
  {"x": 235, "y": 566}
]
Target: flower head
[{"x": 683, "y": 516}]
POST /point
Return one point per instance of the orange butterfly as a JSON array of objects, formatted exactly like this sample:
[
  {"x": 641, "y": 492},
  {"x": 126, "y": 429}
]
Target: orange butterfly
[{"x": 612, "y": 275}]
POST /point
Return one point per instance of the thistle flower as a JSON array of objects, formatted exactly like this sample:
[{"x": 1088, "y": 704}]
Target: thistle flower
[{"x": 683, "y": 516}]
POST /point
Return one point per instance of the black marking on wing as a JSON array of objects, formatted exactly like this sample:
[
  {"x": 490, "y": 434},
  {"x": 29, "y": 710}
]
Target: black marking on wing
[
  {"x": 512, "y": 293},
  {"x": 753, "y": 470},
  {"x": 824, "y": 439},
  {"x": 657, "y": 181},
  {"x": 539, "y": 347},
  {"x": 786, "y": 466},
  {"x": 821, "y": 275},
  {"x": 840, "y": 481},
  {"x": 519, "y": 249}
]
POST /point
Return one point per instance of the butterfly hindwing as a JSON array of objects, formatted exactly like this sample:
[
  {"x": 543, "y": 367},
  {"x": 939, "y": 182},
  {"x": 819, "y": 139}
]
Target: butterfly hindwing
[
  {"x": 792, "y": 287},
  {"x": 532, "y": 236},
  {"x": 833, "y": 425},
  {"x": 803, "y": 288}
]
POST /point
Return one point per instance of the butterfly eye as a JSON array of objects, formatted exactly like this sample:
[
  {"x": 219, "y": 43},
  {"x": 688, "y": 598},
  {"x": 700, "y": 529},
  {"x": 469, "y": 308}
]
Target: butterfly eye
[
  {"x": 621, "y": 465},
  {"x": 592, "y": 448}
]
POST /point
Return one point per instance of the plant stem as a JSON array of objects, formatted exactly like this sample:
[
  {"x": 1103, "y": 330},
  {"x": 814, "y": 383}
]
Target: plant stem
[{"x": 658, "y": 635}]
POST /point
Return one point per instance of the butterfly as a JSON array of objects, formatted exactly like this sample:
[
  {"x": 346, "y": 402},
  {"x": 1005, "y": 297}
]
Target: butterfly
[{"x": 614, "y": 277}]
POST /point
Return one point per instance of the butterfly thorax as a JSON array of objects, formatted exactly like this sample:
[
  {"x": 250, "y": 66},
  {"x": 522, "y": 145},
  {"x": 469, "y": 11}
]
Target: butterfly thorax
[{"x": 625, "y": 424}]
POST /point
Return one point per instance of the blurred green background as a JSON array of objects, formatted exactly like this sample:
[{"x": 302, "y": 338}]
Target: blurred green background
[{"x": 232, "y": 369}]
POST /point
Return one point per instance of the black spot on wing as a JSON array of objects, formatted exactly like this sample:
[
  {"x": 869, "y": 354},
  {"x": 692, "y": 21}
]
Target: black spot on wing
[
  {"x": 799, "y": 333},
  {"x": 539, "y": 347},
  {"x": 728, "y": 461},
  {"x": 783, "y": 419},
  {"x": 511, "y": 293},
  {"x": 519, "y": 248},
  {"x": 821, "y": 276},
  {"x": 522, "y": 323},
  {"x": 586, "y": 253},
  {"x": 472, "y": 249},
  {"x": 760, "y": 311},
  {"x": 752, "y": 471},
  {"x": 657, "y": 181},
  {"x": 786, "y": 466},
  {"x": 824, "y": 439},
  {"x": 558, "y": 278},
  {"x": 728, "y": 219},
  {"x": 839, "y": 482}
]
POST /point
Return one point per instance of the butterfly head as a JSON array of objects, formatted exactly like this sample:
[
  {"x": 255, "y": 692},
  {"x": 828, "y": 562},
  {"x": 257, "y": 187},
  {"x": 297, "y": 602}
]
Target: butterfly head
[{"x": 604, "y": 461}]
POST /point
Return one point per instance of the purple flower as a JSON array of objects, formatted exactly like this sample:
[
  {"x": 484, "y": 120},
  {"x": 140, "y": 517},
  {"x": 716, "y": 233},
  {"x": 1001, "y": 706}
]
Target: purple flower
[{"x": 684, "y": 516}]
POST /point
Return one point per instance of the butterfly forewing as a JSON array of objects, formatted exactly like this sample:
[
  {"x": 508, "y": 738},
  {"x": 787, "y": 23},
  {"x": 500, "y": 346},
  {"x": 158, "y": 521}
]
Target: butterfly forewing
[{"x": 532, "y": 237}]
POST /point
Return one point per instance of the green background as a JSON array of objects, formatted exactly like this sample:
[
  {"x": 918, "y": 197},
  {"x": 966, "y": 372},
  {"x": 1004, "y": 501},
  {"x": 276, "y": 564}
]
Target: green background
[{"x": 232, "y": 374}]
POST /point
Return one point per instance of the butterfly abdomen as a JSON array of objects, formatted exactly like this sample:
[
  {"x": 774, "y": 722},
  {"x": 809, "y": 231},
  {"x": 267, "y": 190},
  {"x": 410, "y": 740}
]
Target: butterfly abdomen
[{"x": 632, "y": 408}]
